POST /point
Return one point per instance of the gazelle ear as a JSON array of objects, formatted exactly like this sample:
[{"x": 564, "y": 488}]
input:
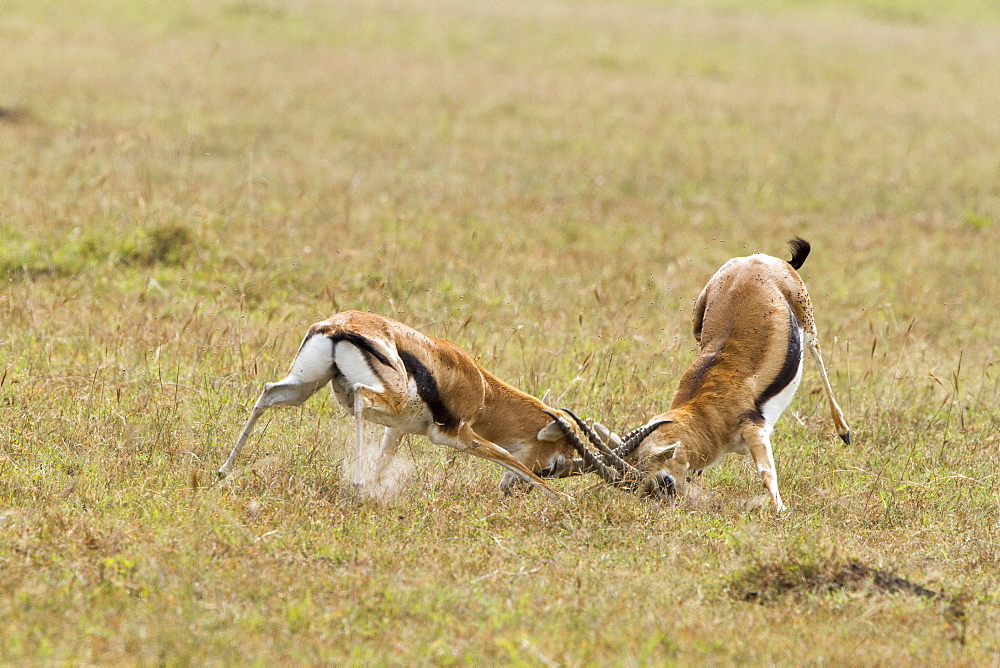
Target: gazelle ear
[
  {"x": 664, "y": 451},
  {"x": 550, "y": 432},
  {"x": 546, "y": 397},
  {"x": 611, "y": 438}
]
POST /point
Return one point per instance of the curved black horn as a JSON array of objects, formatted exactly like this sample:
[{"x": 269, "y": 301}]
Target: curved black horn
[
  {"x": 591, "y": 461},
  {"x": 592, "y": 436},
  {"x": 610, "y": 455},
  {"x": 629, "y": 435},
  {"x": 580, "y": 464},
  {"x": 637, "y": 436}
]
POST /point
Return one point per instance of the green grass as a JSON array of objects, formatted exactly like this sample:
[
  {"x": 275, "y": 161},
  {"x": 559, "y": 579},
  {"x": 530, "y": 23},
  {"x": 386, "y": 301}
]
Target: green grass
[{"x": 184, "y": 187}]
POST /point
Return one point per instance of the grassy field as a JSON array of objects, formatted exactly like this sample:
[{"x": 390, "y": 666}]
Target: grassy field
[{"x": 185, "y": 186}]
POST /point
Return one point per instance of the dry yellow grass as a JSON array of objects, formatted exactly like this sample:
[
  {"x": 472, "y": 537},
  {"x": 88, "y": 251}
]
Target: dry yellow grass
[{"x": 185, "y": 186}]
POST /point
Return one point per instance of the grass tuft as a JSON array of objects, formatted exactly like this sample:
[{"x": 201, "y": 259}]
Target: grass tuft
[{"x": 77, "y": 254}]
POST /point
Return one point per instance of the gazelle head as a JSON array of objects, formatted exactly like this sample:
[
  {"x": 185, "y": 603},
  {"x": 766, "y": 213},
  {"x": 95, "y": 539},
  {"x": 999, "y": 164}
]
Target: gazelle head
[
  {"x": 554, "y": 458},
  {"x": 549, "y": 453},
  {"x": 660, "y": 479},
  {"x": 555, "y": 451}
]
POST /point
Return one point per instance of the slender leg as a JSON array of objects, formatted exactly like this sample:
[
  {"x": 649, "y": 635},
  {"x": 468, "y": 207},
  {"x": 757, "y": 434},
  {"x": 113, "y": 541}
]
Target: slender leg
[
  {"x": 287, "y": 392},
  {"x": 758, "y": 442},
  {"x": 512, "y": 483},
  {"x": 465, "y": 439},
  {"x": 359, "y": 444},
  {"x": 839, "y": 423},
  {"x": 388, "y": 470},
  {"x": 390, "y": 441},
  {"x": 369, "y": 466},
  {"x": 386, "y": 398}
]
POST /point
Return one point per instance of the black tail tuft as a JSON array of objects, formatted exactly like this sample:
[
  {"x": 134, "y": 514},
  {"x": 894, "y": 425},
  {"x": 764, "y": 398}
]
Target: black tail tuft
[{"x": 800, "y": 251}]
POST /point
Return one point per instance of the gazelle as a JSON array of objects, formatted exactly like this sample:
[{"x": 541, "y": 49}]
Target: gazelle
[
  {"x": 752, "y": 320},
  {"x": 386, "y": 372}
]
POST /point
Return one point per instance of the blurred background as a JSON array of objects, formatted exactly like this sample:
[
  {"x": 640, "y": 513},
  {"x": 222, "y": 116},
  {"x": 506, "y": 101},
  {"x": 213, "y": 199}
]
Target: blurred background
[{"x": 185, "y": 186}]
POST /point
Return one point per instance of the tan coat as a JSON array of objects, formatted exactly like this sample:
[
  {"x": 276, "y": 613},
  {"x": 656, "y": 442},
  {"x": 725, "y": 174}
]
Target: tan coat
[
  {"x": 753, "y": 319},
  {"x": 388, "y": 373}
]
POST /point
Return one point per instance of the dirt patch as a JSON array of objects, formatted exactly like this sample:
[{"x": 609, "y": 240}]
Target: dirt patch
[{"x": 766, "y": 583}]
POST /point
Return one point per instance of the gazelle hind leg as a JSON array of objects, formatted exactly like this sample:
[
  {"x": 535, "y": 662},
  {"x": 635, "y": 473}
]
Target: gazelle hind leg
[
  {"x": 359, "y": 435},
  {"x": 390, "y": 441},
  {"x": 382, "y": 473},
  {"x": 367, "y": 461},
  {"x": 389, "y": 471},
  {"x": 378, "y": 465},
  {"x": 311, "y": 369},
  {"x": 839, "y": 422},
  {"x": 291, "y": 391},
  {"x": 758, "y": 442}
]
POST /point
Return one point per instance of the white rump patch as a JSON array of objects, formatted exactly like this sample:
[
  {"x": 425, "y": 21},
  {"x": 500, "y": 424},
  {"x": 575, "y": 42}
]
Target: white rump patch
[
  {"x": 314, "y": 362},
  {"x": 353, "y": 363}
]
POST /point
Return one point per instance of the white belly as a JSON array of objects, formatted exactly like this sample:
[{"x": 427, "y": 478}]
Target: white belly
[{"x": 775, "y": 406}]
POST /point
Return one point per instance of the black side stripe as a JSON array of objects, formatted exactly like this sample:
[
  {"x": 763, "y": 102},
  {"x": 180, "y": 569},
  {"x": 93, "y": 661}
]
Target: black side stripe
[
  {"x": 788, "y": 370},
  {"x": 427, "y": 388},
  {"x": 362, "y": 343}
]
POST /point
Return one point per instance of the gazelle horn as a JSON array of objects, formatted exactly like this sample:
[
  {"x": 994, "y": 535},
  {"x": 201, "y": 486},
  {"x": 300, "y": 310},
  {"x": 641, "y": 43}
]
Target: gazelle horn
[
  {"x": 613, "y": 440},
  {"x": 609, "y": 455},
  {"x": 637, "y": 436},
  {"x": 618, "y": 442},
  {"x": 591, "y": 461}
]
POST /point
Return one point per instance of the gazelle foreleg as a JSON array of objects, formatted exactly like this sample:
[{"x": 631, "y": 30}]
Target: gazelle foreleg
[
  {"x": 464, "y": 439},
  {"x": 758, "y": 442}
]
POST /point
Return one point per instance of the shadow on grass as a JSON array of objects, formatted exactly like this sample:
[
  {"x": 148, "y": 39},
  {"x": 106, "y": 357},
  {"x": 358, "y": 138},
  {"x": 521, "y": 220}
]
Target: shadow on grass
[
  {"x": 770, "y": 583},
  {"x": 765, "y": 583},
  {"x": 14, "y": 115}
]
